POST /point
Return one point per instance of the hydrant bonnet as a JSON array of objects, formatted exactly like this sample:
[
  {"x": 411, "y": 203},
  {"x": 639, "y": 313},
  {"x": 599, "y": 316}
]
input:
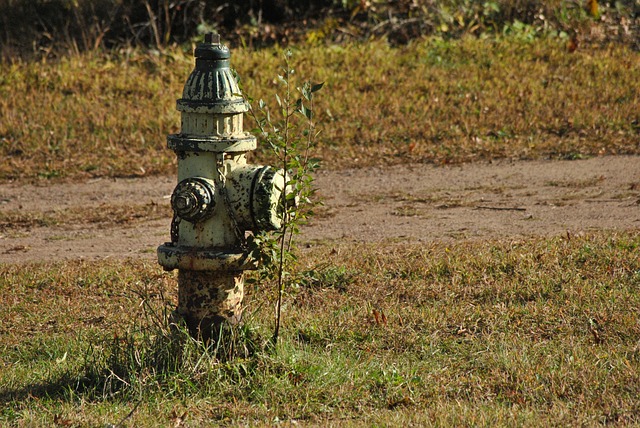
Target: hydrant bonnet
[
  {"x": 212, "y": 87},
  {"x": 212, "y": 105}
]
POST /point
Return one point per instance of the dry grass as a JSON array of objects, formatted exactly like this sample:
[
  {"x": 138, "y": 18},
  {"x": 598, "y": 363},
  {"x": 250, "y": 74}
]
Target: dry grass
[
  {"x": 431, "y": 101},
  {"x": 543, "y": 332},
  {"x": 123, "y": 214}
]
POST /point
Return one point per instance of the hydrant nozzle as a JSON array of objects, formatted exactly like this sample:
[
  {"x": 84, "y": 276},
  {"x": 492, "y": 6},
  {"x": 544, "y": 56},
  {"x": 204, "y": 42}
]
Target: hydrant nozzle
[{"x": 218, "y": 198}]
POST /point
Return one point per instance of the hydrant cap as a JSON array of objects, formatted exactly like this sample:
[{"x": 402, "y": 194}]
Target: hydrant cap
[{"x": 212, "y": 86}]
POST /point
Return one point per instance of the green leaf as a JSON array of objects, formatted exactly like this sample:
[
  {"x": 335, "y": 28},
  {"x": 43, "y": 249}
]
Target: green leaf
[
  {"x": 305, "y": 92},
  {"x": 307, "y": 112},
  {"x": 316, "y": 87}
]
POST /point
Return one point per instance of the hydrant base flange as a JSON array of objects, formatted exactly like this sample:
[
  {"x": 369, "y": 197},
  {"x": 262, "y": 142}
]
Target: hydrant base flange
[{"x": 171, "y": 257}]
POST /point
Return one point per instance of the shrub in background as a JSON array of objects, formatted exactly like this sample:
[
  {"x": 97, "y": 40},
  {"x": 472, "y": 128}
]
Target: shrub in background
[{"x": 50, "y": 26}]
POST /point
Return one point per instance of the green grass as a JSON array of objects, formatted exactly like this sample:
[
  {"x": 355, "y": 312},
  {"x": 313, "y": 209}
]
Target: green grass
[
  {"x": 433, "y": 101},
  {"x": 537, "y": 332}
]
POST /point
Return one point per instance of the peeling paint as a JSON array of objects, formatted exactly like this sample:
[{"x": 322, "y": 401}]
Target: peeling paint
[{"x": 219, "y": 196}]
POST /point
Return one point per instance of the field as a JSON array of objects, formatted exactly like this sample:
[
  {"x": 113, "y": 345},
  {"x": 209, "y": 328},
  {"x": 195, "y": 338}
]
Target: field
[{"x": 452, "y": 278}]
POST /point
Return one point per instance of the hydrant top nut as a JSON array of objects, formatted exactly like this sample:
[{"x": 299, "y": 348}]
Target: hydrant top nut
[{"x": 212, "y": 49}]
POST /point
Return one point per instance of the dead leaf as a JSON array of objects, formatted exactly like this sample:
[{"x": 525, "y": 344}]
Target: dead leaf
[
  {"x": 379, "y": 317},
  {"x": 592, "y": 8},
  {"x": 59, "y": 420}
]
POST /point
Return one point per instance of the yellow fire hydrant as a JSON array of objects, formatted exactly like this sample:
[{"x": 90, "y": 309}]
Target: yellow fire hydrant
[{"x": 218, "y": 198}]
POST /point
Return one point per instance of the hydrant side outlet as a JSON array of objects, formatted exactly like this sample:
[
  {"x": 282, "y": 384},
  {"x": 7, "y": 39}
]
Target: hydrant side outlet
[{"x": 218, "y": 198}]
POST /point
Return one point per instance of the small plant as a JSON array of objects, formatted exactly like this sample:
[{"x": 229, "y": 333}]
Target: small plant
[{"x": 291, "y": 135}]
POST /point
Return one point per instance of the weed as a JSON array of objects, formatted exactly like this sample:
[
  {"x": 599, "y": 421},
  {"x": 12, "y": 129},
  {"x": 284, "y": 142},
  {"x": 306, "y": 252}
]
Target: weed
[
  {"x": 53, "y": 27},
  {"x": 292, "y": 144},
  {"x": 156, "y": 355}
]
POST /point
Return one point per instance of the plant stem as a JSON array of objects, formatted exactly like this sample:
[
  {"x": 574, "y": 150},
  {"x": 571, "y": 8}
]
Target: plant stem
[{"x": 283, "y": 196}]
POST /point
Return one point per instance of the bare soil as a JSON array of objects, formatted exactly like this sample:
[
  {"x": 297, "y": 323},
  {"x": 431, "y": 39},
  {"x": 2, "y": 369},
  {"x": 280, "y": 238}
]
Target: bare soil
[{"x": 502, "y": 200}]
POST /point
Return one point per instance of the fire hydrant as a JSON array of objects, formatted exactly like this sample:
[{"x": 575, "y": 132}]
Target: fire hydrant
[{"x": 218, "y": 198}]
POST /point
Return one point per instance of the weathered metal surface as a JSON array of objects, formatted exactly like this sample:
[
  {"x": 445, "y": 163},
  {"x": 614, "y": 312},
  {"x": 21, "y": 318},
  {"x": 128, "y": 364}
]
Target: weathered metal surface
[
  {"x": 255, "y": 193},
  {"x": 211, "y": 86},
  {"x": 207, "y": 299},
  {"x": 218, "y": 197},
  {"x": 188, "y": 143}
]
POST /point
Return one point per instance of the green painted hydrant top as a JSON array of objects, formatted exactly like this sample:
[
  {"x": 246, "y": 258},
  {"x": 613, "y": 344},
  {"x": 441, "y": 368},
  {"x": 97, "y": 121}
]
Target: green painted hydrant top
[{"x": 212, "y": 87}]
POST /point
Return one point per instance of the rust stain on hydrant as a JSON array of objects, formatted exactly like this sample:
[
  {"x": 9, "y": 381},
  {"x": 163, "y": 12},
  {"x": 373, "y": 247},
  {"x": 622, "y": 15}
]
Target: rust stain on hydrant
[{"x": 218, "y": 198}]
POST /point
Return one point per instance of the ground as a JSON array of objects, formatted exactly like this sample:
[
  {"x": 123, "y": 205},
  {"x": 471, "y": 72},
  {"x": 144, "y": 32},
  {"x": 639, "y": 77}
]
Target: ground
[{"x": 115, "y": 218}]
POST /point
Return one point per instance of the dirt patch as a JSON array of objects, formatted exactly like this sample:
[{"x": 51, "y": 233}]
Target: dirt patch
[{"x": 501, "y": 200}]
